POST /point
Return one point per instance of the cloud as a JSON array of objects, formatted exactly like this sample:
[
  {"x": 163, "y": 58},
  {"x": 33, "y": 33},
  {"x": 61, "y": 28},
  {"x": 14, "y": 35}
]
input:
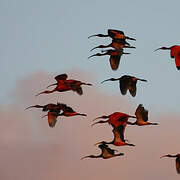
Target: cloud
[{"x": 32, "y": 150}]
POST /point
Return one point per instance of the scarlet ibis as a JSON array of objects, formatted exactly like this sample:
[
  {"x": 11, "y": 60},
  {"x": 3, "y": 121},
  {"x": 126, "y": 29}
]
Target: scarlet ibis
[
  {"x": 177, "y": 156},
  {"x": 127, "y": 82},
  {"x": 142, "y": 117},
  {"x": 66, "y": 85},
  {"x": 115, "y": 119},
  {"x": 115, "y": 57},
  {"x": 106, "y": 152},
  {"x": 118, "y": 136},
  {"x": 48, "y": 107},
  {"x": 116, "y": 44},
  {"x": 114, "y": 34},
  {"x": 174, "y": 52}
]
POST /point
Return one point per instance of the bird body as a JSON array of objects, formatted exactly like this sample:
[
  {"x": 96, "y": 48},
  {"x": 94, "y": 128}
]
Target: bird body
[
  {"x": 115, "y": 56},
  {"x": 127, "y": 82},
  {"x": 114, "y": 34},
  {"x": 65, "y": 85},
  {"x": 118, "y": 136},
  {"x": 115, "y": 119},
  {"x": 142, "y": 117},
  {"x": 174, "y": 53},
  {"x": 177, "y": 162},
  {"x": 106, "y": 152}
]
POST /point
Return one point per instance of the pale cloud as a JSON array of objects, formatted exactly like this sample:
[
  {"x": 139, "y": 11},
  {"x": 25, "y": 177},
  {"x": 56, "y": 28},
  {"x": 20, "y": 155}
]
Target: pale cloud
[{"x": 30, "y": 149}]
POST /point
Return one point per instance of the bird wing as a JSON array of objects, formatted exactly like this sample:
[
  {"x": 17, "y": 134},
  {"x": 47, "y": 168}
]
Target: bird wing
[
  {"x": 177, "y": 60},
  {"x": 141, "y": 114},
  {"x": 178, "y": 165},
  {"x": 119, "y": 133},
  {"x": 61, "y": 77},
  {"x": 52, "y": 118},
  {"x": 75, "y": 85},
  {"x": 67, "y": 109},
  {"x": 114, "y": 61},
  {"x": 123, "y": 84},
  {"x": 132, "y": 88}
]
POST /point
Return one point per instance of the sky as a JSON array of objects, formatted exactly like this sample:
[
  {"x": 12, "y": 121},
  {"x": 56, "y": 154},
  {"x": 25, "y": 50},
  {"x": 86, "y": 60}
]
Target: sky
[{"x": 41, "y": 39}]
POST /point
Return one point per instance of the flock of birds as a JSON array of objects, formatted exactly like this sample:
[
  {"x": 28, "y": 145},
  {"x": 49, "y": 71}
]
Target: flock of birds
[{"x": 117, "y": 120}]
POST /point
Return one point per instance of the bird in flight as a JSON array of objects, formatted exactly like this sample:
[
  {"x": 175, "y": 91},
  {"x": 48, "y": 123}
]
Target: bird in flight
[
  {"x": 64, "y": 84},
  {"x": 127, "y": 82},
  {"x": 106, "y": 152},
  {"x": 117, "y": 44},
  {"x": 174, "y": 53},
  {"x": 142, "y": 117},
  {"x": 177, "y": 156},
  {"x": 115, "y": 56},
  {"x": 48, "y": 107},
  {"x": 115, "y": 119},
  {"x": 118, "y": 136},
  {"x": 114, "y": 34}
]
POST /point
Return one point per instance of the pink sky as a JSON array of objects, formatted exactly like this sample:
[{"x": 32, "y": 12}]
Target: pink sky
[{"x": 32, "y": 150}]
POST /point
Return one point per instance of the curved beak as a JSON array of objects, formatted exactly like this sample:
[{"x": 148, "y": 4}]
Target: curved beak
[
  {"x": 142, "y": 80},
  {"x": 97, "y": 143},
  {"x": 105, "y": 80},
  {"x": 157, "y": 49},
  {"x": 94, "y": 48},
  {"x": 29, "y": 107},
  {"x": 92, "y": 56},
  {"x": 132, "y": 117},
  {"x": 92, "y": 36},
  {"x": 51, "y": 85},
  {"x": 131, "y": 38}
]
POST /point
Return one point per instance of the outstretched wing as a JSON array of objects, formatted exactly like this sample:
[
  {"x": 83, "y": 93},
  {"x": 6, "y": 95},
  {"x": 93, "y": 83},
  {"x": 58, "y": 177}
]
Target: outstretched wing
[
  {"x": 141, "y": 113},
  {"x": 132, "y": 88},
  {"x": 61, "y": 77},
  {"x": 123, "y": 84},
  {"x": 52, "y": 118},
  {"x": 178, "y": 165},
  {"x": 114, "y": 62}
]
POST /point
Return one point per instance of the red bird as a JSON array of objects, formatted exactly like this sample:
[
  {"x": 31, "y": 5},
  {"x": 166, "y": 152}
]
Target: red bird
[
  {"x": 127, "y": 82},
  {"x": 48, "y": 107},
  {"x": 63, "y": 84},
  {"x": 106, "y": 152},
  {"x": 115, "y": 57},
  {"x": 175, "y": 53},
  {"x": 114, "y": 34},
  {"x": 177, "y": 156},
  {"x": 142, "y": 117},
  {"x": 67, "y": 111},
  {"x": 115, "y": 119},
  {"x": 117, "y": 44},
  {"x": 118, "y": 136}
]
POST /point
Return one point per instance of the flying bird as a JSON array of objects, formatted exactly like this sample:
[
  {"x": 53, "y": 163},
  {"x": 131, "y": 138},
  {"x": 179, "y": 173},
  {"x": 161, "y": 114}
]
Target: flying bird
[
  {"x": 127, "y": 82},
  {"x": 117, "y": 44},
  {"x": 174, "y": 53},
  {"x": 177, "y": 156},
  {"x": 115, "y": 56},
  {"x": 63, "y": 84},
  {"x": 115, "y": 119},
  {"x": 48, "y": 107},
  {"x": 106, "y": 152},
  {"x": 118, "y": 136},
  {"x": 142, "y": 117},
  {"x": 114, "y": 34}
]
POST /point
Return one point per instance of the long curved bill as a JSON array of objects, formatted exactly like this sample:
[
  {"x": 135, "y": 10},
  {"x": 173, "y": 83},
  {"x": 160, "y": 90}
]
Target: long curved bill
[
  {"x": 92, "y": 56},
  {"x": 30, "y": 107},
  {"x": 51, "y": 85},
  {"x": 98, "y": 143},
  {"x": 44, "y": 116},
  {"x": 94, "y": 48},
  {"x": 132, "y": 117},
  {"x": 105, "y": 80},
  {"x": 163, "y": 156},
  {"x": 99, "y": 117},
  {"x": 143, "y": 80},
  {"x": 157, "y": 49},
  {"x": 39, "y": 94},
  {"x": 92, "y": 36}
]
